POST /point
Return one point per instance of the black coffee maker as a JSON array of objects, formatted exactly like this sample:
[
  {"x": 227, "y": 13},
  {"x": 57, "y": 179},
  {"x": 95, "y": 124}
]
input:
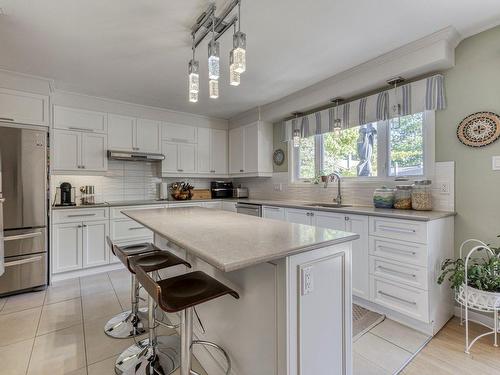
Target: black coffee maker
[{"x": 66, "y": 195}]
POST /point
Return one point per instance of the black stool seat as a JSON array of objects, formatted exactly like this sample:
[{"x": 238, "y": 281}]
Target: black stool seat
[
  {"x": 155, "y": 261},
  {"x": 180, "y": 292},
  {"x": 140, "y": 248}
]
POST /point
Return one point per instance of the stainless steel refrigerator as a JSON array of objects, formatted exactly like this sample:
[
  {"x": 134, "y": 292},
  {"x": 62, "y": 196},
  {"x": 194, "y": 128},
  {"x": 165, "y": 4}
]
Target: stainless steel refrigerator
[{"x": 23, "y": 209}]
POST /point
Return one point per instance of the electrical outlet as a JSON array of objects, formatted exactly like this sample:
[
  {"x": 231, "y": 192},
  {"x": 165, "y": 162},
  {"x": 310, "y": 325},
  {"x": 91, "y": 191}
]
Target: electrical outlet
[
  {"x": 278, "y": 187},
  {"x": 495, "y": 163},
  {"x": 307, "y": 280},
  {"x": 444, "y": 188}
]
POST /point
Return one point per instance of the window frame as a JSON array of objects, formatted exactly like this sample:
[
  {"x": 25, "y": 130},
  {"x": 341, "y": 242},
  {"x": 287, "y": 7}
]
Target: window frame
[{"x": 428, "y": 129}]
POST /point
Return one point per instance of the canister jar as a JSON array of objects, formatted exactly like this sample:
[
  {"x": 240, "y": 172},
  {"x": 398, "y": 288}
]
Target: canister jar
[
  {"x": 402, "y": 199},
  {"x": 383, "y": 197},
  {"x": 421, "y": 195}
]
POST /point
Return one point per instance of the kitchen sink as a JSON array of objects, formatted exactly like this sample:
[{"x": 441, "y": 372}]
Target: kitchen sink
[{"x": 329, "y": 205}]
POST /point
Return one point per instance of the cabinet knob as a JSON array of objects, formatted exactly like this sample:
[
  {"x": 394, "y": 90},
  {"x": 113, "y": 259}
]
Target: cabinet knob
[
  {"x": 242, "y": 170},
  {"x": 346, "y": 218},
  {"x": 180, "y": 170}
]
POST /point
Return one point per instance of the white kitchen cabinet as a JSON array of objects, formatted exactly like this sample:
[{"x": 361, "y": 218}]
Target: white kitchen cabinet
[
  {"x": 121, "y": 132},
  {"x": 95, "y": 248},
  {"x": 213, "y": 205},
  {"x": 147, "y": 135},
  {"x": 67, "y": 247},
  {"x": 180, "y": 158},
  {"x": 229, "y": 206},
  {"x": 250, "y": 150},
  {"x": 271, "y": 212},
  {"x": 298, "y": 216},
  {"x": 79, "y": 151},
  {"x": 79, "y": 119},
  {"x": 212, "y": 151},
  {"x": 24, "y": 107},
  {"x": 178, "y": 133}
]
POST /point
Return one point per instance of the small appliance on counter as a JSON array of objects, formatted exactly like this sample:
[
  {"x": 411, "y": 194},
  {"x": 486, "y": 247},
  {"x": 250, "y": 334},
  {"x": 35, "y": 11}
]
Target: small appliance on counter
[
  {"x": 66, "y": 194},
  {"x": 88, "y": 195},
  {"x": 163, "y": 191},
  {"x": 221, "y": 189},
  {"x": 240, "y": 192}
]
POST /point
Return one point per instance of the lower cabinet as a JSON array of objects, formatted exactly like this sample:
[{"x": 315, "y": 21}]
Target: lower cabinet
[
  {"x": 276, "y": 213},
  {"x": 79, "y": 245}
]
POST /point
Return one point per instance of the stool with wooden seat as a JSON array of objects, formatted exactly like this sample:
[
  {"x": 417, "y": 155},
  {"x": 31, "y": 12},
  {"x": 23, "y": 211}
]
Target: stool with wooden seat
[{"x": 178, "y": 294}]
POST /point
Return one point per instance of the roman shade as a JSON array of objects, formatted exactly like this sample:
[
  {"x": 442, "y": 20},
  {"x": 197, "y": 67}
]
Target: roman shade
[{"x": 423, "y": 95}]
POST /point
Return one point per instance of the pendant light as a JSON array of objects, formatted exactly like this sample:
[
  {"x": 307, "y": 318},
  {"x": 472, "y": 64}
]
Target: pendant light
[
  {"x": 213, "y": 55},
  {"x": 193, "y": 77},
  {"x": 296, "y": 132},
  {"x": 213, "y": 88},
  {"x": 234, "y": 76},
  {"x": 237, "y": 56},
  {"x": 337, "y": 122}
]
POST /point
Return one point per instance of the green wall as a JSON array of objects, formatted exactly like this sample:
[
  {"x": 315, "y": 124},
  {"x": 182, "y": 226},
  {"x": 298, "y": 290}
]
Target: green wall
[{"x": 473, "y": 85}]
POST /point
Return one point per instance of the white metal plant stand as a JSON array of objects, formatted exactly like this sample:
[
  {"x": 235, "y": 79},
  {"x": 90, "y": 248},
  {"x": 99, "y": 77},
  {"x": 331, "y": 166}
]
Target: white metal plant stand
[{"x": 475, "y": 299}]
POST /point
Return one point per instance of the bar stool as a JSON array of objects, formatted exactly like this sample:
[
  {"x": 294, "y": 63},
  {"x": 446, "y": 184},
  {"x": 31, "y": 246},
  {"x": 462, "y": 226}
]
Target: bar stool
[
  {"x": 178, "y": 294},
  {"x": 151, "y": 261},
  {"x": 129, "y": 323}
]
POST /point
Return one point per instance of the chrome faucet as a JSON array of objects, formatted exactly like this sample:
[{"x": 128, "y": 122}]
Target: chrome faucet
[{"x": 336, "y": 176}]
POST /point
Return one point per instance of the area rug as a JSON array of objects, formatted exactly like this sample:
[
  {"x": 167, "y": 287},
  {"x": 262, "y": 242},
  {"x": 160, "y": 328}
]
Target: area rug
[{"x": 363, "y": 320}]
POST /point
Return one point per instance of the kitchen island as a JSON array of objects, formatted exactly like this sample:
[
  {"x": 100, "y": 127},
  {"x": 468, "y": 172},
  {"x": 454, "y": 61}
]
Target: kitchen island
[{"x": 294, "y": 314}]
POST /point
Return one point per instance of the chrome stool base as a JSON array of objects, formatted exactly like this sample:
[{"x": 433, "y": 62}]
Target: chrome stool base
[
  {"x": 140, "y": 359},
  {"x": 126, "y": 324}
]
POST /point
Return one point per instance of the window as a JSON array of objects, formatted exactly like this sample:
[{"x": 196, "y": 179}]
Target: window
[{"x": 382, "y": 149}]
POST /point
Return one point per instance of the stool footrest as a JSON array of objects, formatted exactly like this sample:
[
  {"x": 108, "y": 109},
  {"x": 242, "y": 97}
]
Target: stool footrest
[{"x": 218, "y": 347}]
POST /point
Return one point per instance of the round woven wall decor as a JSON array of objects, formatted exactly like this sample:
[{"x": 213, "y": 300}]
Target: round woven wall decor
[{"x": 479, "y": 129}]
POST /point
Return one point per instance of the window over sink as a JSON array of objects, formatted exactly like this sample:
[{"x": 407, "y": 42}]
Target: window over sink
[{"x": 400, "y": 147}]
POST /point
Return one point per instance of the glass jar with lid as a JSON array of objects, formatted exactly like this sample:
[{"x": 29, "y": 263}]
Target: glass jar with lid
[
  {"x": 421, "y": 195},
  {"x": 383, "y": 197},
  {"x": 402, "y": 198}
]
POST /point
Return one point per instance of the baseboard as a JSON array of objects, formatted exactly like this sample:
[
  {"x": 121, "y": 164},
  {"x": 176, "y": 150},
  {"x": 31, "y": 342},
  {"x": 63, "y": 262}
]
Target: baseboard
[{"x": 86, "y": 272}]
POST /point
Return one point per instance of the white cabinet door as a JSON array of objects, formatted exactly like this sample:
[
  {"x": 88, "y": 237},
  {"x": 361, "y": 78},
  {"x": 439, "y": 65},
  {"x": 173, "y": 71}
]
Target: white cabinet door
[
  {"x": 24, "y": 107},
  {"x": 330, "y": 220},
  {"x": 147, "y": 136},
  {"x": 186, "y": 158},
  {"x": 95, "y": 247},
  {"x": 121, "y": 132},
  {"x": 213, "y": 205},
  {"x": 236, "y": 151},
  {"x": 204, "y": 150},
  {"x": 276, "y": 213},
  {"x": 251, "y": 148},
  {"x": 93, "y": 153},
  {"x": 79, "y": 119},
  {"x": 178, "y": 133},
  {"x": 298, "y": 216},
  {"x": 66, "y": 150},
  {"x": 218, "y": 151},
  {"x": 229, "y": 206},
  {"x": 360, "y": 261},
  {"x": 169, "y": 149},
  {"x": 66, "y": 247}
]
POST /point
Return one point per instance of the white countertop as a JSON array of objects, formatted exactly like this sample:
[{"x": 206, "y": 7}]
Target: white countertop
[{"x": 230, "y": 241}]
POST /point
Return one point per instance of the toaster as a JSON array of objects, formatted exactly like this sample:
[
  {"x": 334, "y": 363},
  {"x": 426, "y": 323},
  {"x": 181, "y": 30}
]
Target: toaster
[{"x": 240, "y": 192}]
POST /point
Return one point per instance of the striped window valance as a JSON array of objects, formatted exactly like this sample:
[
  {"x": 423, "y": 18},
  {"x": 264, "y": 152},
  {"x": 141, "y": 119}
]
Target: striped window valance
[{"x": 426, "y": 94}]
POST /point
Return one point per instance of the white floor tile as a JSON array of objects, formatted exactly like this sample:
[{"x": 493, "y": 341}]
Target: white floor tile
[
  {"x": 400, "y": 335},
  {"x": 14, "y": 358},
  {"x": 23, "y": 301},
  {"x": 62, "y": 291},
  {"x": 60, "y": 315},
  {"x": 19, "y": 326},
  {"x": 362, "y": 366}
]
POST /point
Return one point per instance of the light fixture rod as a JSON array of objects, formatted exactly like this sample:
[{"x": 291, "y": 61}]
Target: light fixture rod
[
  {"x": 227, "y": 26},
  {"x": 207, "y": 23},
  {"x": 205, "y": 17}
]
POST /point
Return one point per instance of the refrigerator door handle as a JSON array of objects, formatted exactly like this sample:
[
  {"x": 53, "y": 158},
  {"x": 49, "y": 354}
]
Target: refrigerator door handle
[
  {"x": 23, "y": 236},
  {"x": 23, "y": 261}
]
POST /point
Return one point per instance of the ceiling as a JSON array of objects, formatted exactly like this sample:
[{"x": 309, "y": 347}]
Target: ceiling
[{"x": 137, "y": 51}]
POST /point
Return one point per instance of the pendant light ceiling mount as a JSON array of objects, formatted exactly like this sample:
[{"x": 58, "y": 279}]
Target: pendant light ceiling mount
[{"x": 208, "y": 24}]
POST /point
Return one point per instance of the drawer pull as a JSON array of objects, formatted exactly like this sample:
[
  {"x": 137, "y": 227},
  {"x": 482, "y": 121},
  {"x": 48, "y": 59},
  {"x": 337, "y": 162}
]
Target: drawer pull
[
  {"x": 6, "y": 119},
  {"x": 382, "y": 268},
  {"x": 81, "y": 215},
  {"x": 135, "y": 228},
  {"x": 397, "y": 298},
  {"x": 23, "y": 261},
  {"x": 273, "y": 208},
  {"x": 81, "y": 129},
  {"x": 397, "y": 230},
  {"x": 386, "y": 248},
  {"x": 22, "y": 236}
]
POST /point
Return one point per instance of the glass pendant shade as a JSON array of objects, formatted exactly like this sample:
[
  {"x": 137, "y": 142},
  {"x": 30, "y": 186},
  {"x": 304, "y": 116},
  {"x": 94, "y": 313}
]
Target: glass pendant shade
[
  {"x": 194, "y": 77},
  {"x": 213, "y": 87},
  {"x": 193, "y": 97},
  {"x": 237, "y": 56},
  {"x": 234, "y": 76},
  {"x": 213, "y": 60},
  {"x": 296, "y": 138}
]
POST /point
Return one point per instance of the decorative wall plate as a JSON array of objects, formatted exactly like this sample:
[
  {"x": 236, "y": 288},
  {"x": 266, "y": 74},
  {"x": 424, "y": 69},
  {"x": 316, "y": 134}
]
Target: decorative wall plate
[
  {"x": 278, "y": 156},
  {"x": 479, "y": 129}
]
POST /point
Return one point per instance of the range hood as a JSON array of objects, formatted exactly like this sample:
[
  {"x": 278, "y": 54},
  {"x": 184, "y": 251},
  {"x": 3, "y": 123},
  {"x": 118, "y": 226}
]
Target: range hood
[{"x": 134, "y": 156}]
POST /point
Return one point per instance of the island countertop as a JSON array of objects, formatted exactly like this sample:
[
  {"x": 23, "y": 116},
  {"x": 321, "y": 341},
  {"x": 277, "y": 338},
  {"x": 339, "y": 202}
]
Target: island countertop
[{"x": 230, "y": 241}]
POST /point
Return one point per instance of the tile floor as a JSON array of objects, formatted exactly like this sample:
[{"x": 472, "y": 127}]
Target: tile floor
[{"x": 60, "y": 331}]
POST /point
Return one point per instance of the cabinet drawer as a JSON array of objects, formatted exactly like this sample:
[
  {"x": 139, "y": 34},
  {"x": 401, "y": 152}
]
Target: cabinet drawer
[
  {"x": 409, "y": 301},
  {"x": 402, "y": 251},
  {"x": 128, "y": 229},
  {"x": 405, "y": 230},
  {"x": 271, "y": 212},
  {"x": 116, "y": 212},
  {"x": 79, "y": 214},
  {"x": 407, "y": 274}
]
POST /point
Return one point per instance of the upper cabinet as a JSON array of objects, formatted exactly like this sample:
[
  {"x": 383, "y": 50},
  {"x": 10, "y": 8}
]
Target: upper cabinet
[
  {"x": 132, "y": 134},
  {"x": 250, "y": 150},
  {"x": 24, "y": 107},
  {"x": 79, "y": 120},
  {"x": 179, "y": 133},
  {"x": 212, "y": 151}
]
